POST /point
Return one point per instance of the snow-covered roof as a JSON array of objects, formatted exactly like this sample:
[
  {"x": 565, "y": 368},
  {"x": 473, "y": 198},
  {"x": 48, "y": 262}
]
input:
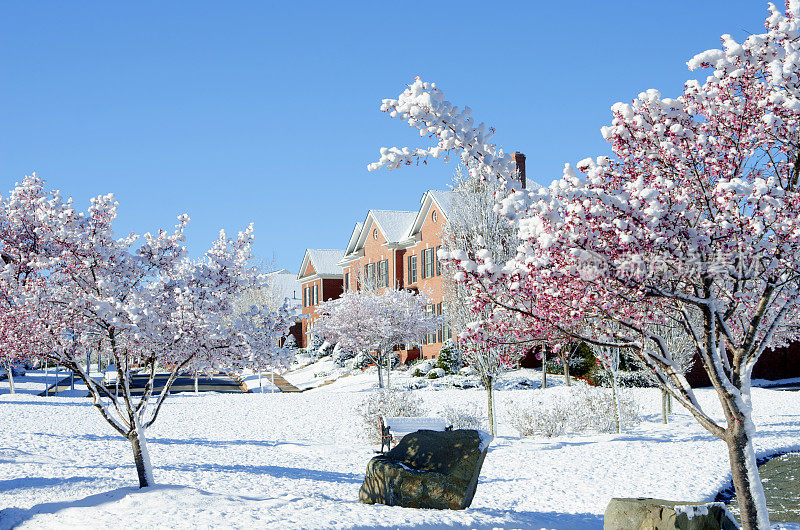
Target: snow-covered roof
[
  {"x": 393, "y": 223},
  {"x": 324, "y": 260},
  {"x": 351, "y": 244},
  {"x": 444, "y": 199},
  {"x": 284, "y": 284}
]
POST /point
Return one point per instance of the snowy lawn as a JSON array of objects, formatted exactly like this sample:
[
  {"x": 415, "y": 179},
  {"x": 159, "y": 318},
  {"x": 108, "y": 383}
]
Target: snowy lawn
[{"x": 296, "y": 460}]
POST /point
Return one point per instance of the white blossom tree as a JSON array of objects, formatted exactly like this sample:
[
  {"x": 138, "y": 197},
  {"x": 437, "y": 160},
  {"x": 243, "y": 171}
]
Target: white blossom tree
[
  {"x": 372, "y": 323},
  {"x": 149, "y": 305}
]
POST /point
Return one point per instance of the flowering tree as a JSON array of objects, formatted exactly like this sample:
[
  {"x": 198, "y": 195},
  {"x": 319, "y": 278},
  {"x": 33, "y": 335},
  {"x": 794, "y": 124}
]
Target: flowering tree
[
  {"x": 372, "y": 323},
  {"x": 699, "y": 211},
  {"x": 473, "y": 226},
  {"x": 140, "y": 297},
  {"x": 265, "y": 329},
  {"x": 15, "y": 343}
]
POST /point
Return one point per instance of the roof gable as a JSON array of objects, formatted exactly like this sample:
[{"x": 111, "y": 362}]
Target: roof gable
[
  {"x": 393, "y": 224},
  {"x": 445, "y": 202},
  {"x": 322, "y": 261}
]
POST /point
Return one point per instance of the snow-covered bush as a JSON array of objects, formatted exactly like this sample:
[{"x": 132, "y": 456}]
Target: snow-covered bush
[
  {"x": 467, "y": 370},
  {"x": 340, "y": 355},
  {"x": 579, "y": 408},
  {"x": 422, "y": 367},
  {"x": 468, "y": 417},
  {"x": 436, "y": 373},
  {"x": 387, "y": 404},
  {"x": 449, "y": 357},
  {"x": 629, "y": 379}
]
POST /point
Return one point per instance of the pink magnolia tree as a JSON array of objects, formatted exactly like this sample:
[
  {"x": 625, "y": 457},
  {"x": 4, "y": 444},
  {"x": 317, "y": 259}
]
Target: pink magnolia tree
[
  {"x": 694, "y": 225},
  {"x": 372, "y": 323},
  {"x": 139, "y": 298}
]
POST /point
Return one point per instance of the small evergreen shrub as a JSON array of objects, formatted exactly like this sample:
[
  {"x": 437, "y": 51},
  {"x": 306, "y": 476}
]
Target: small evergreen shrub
[{"x": 449, "y": 357}]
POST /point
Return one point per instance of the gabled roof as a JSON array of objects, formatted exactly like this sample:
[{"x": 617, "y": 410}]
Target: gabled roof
[
  {"x": 444, "y": 200},
  {"x": 324, "y": 261},
  {"x": 393, "y": 224},
  {"x": 284, "y": 285},
  {"x": 351, "y": 245}
]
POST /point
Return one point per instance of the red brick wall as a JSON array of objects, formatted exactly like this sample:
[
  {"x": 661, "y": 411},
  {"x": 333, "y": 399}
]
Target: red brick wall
[{"x": 430, "y": 237}]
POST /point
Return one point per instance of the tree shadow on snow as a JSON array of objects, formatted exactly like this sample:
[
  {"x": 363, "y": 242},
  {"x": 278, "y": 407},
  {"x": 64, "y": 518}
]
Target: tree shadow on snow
[
  {"x": 40, "y": 482},
  {"x": 273, "y": 471},
  {"x": 11, "y": 517},
  {"x": 513, "y": 519},
  {"x": 171, "y": 441}
]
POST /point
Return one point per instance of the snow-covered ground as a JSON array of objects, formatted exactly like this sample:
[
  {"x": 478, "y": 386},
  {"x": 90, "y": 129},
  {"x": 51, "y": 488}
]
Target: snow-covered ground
[{"x": 295, "y": 460}]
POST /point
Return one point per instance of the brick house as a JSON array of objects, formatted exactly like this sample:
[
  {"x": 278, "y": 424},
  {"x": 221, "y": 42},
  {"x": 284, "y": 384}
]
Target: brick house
[
  {"x": 422, "y": 271},
  {"x": 320, "y": 279},
  {"x": 397, "y": 249}
]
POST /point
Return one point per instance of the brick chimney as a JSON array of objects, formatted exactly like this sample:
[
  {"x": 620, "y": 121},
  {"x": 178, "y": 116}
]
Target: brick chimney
[{"x": 519, "y": 158}]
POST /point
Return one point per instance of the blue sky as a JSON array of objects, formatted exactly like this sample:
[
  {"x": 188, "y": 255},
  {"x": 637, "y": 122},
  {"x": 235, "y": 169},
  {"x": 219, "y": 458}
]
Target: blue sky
[{"x": 268, "y": 112}]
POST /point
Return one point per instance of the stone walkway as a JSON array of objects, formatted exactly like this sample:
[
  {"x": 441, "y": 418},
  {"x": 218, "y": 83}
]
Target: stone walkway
[
  {"x": 781, "y": 479},
  {"x": 282, "y": 384}
]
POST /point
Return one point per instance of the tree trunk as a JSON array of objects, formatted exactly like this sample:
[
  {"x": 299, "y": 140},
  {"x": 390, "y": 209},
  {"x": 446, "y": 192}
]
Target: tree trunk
[
  {"x": 388, "y": 370},
  {"x": 544, "y": 367},
  {"x": 196, "y": 384},
  {"x": 615, "y": 401},
  {"x": 489, "y": 383},
  {"x": 753, "y": 512},
  {"x": 380, "y": 374},
  {"x": 566, "y": 369},
  {"x": 664, "y": 406},
  {"x": 10, "y": 378},
  {"x": 141, "y": 456}
]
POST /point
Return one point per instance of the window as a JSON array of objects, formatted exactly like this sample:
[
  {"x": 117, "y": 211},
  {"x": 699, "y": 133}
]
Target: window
[
  {"x": 384, "y": 273},
  {"x": 346, "y": 281},
  {"x": 375, "y": 233},
  {"x": 424, "y": 261},
  {"x": 435, "y": 216},
  {"x": 438, "y": 263},
  {"x": 366, "y": 277},
  {"x": 428, "y": 265},
  {"x": 372, "y": 277},
  {"x": 305, "y": 299},
  {"x": 413, "y": 269}
]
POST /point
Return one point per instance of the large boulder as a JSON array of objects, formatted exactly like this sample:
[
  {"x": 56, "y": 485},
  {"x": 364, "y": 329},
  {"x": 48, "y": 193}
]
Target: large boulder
[
  {"x": 427, "y": 469},
  {"x": 657, "y": 514}
]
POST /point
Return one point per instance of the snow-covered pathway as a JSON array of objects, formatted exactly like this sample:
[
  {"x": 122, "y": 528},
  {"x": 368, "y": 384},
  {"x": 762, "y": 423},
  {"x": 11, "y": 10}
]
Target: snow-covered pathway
[{"x": 295, "y": 460}]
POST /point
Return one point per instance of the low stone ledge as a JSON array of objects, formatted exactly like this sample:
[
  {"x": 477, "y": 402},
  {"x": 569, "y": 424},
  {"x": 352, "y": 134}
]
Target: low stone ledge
[{"x": 658, "y": 514}]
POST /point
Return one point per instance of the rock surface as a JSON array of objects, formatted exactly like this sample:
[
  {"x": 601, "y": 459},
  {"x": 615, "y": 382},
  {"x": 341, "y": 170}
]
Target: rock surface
[
  {"x": 657, "y": 514},
  {"x": 427, "y": 469}
]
